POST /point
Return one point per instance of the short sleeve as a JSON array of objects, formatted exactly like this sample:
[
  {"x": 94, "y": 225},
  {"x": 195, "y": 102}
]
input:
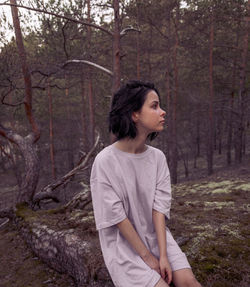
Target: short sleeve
[
  {"x": 107, "y": 204},
  {"x": 162, "y": 198}
]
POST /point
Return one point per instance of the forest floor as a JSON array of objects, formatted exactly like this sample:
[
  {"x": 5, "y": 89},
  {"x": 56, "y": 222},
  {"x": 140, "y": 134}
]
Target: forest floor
[{"x": 209, "y": 219}]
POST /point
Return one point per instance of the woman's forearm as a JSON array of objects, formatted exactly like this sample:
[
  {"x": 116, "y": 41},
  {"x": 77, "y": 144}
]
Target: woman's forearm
[
  {"x": 160, "y": 228},
  {"x": 128, "y": 231}
]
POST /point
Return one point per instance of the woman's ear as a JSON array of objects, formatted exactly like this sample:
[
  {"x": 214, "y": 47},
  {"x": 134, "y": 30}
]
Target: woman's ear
[{"x": 135, "y": 117}]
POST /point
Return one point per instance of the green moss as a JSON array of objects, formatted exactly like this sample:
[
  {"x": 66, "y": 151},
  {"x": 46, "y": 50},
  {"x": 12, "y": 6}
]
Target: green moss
[
  {"x": 218, "y": 204},
  {"x": 220, "y": 190},
  {"x": 23, "y": 211},
  {"x": 209, "y": 267},
  {"x": 245, "y": 187}
]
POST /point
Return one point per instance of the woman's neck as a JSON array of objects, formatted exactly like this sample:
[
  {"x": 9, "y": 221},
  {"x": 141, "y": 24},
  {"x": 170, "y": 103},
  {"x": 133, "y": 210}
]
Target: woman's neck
[{"x": 136, "y": 145}]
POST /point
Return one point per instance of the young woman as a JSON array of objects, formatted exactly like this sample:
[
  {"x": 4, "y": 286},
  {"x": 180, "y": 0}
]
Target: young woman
[{"x": 131, "y": 193}]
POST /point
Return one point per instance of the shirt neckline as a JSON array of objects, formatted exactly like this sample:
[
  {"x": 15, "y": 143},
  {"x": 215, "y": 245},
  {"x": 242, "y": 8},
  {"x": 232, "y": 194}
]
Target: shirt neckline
[{"x": 133, "y": 155}]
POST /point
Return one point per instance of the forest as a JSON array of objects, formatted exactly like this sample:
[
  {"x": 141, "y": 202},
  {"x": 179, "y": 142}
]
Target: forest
[{"x": 60, "y": 63}]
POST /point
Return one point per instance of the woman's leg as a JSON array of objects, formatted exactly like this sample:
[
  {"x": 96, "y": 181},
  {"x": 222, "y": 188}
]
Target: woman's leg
[
  {"x": 185, "y": 278},
  {"x": 161, "y": 283}
]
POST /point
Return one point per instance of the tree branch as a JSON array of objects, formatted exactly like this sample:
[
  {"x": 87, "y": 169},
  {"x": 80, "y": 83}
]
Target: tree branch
[
  {"x": 128, "y": 29},
  {"x": 88, "y": 63},
  {"x": 9, "y": 134},
  {"x": 8, "y": 104},
  {"x": 59, "y": 16},
  {"x": 48, "y": 191}
]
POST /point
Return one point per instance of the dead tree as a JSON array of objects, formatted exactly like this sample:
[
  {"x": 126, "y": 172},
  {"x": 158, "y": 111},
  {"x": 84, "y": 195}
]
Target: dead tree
[{"x": 26, "y": 144}]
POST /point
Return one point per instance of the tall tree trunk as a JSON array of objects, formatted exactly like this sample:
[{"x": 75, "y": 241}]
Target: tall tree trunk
[
  {"x": 69, "y": 127},
  {"x": 211, "y": 97},
  {"x": 116, "y": 48},
  {"x": 168, "y": 86},
  {"x": 138, "y": 41},
  {"x": 242, "y": 91},
  {"x": 149, "y": 52},
  {"x": 231, "y": 100},
  {"x": 51, "y": 132},
  {"x": 90, "y": 84},
  {"x": 175, "y": 99},
  {"x": 198, "y": 137},
  {"x": 25, "y": 70},
  {"x": 230, "y": 124},
  {"x": 85, "y": 143}
]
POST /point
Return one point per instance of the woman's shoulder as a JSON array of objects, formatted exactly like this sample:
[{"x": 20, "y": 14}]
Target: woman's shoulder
[
  {"x": 104, "y": 155},
  {"x": 159, "y": 153}
]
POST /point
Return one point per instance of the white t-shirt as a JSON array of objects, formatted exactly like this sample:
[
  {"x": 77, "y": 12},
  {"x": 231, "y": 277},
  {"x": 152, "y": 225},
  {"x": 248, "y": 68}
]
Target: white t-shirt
[{"x": 126, "y": 185}]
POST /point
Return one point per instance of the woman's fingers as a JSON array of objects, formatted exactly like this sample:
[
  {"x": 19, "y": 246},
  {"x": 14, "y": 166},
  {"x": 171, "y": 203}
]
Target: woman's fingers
[
  {"x": 163, "y": 273},
  {"x": 169, "y": 273}
]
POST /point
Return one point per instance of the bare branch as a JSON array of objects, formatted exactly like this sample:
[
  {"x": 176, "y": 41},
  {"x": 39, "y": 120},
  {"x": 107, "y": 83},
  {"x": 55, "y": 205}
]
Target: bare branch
[
  {"x": 9, "y": 134},
  {"x": 59, "y": 16},
  {"x": 48, "y": 191},
  {"x": 6, "y": 221},
  {"x": 88, "y": 63},
  {"x": 128, "y": 29},
  {"x": 8, "y": 104}
]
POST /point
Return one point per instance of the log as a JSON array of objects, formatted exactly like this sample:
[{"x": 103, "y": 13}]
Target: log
[{"x": 66, "y": 241}]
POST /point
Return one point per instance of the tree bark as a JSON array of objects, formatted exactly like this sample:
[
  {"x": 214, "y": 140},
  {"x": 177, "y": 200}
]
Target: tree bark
[
  {"x": 175, "y": 99},
  {"x": 65, "y": 243},
  {"x": 32, "y": 166},
  {"x": 168, "y": 87},
  {"x": 210, "y": 142},
  {"x": 69, "y": 127},
  {"x": 51, "y": 132},
  {"x": 90, "y": 85},
  {"x": 26, "y": 72},
  {"x": 85, "y": 143},
  {"x": 242, "y": 91},
  {"x": 116, "y": 48},
  {"x": 138, "y": 41}
]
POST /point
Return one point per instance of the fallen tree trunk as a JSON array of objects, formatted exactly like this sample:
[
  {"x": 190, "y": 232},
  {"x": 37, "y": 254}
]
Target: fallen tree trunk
[{"x": 67, "y": 241}]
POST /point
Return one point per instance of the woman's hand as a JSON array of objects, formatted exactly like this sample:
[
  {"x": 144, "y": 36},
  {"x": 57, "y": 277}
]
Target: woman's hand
[
  {"x": 152, "y": 261},
  {"x": 165, "y": 269}
]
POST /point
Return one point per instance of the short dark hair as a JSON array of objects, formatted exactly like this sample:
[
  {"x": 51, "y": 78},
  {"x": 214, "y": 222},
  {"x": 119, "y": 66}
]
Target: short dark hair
[{"x": 128, "y": 99}]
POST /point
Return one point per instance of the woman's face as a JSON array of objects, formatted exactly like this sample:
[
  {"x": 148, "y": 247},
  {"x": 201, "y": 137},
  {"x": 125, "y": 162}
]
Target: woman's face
[{"x": 151, "y": 117}]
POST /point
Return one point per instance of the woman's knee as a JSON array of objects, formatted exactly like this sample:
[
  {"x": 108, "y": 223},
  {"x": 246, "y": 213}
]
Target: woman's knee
[{"x": 185, "y": 278}]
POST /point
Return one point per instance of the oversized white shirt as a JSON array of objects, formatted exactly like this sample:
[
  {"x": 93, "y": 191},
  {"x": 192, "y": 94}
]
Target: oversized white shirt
[{"x": 126, "y": 185}]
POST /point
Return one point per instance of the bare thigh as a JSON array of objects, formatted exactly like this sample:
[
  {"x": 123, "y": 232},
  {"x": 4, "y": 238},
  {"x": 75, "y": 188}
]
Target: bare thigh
[{"x": 161, "y": 283}]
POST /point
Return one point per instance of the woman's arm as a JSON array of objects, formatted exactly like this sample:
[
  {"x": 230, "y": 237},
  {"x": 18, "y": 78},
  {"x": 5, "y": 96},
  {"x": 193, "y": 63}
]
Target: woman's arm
[
  {"x": 128, "y": 231},
  {"x": 160, "y": 228}
]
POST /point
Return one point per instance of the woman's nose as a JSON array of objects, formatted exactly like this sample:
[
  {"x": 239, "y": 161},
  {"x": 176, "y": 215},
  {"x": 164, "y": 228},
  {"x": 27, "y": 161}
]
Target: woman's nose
[{"x": 163, "y": 113}]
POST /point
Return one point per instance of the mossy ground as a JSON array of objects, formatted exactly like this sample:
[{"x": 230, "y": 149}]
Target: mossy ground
[
  {"x": 209, "y": 216},
  {"x": 213, "y": 216}
]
